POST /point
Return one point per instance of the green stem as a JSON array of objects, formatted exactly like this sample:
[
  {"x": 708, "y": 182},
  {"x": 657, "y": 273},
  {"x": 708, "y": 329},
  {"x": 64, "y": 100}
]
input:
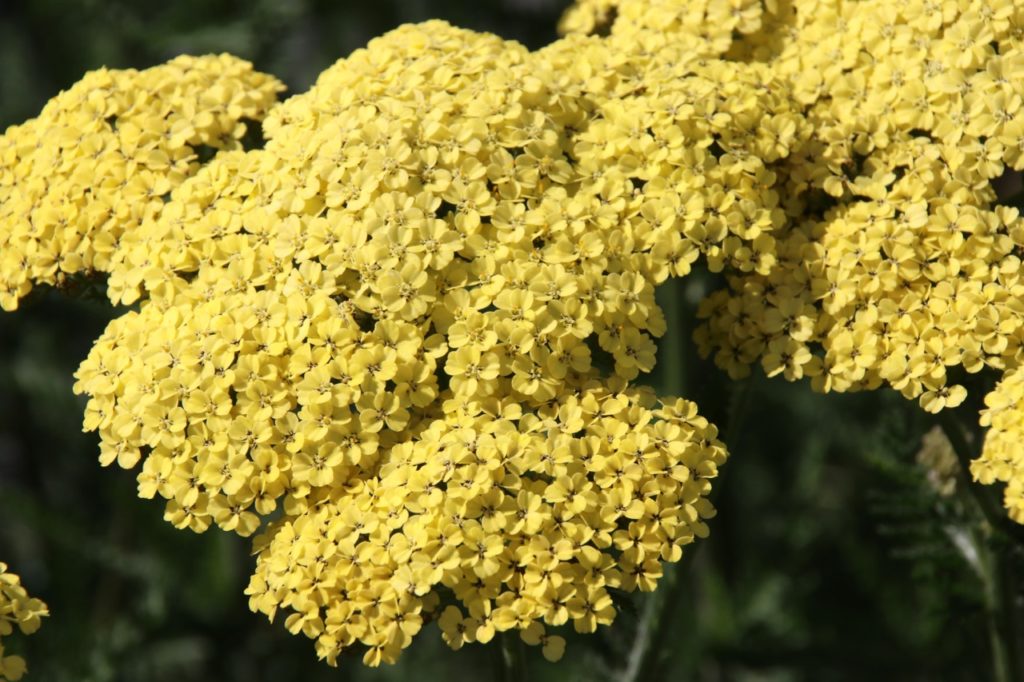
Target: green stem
[
  {"x": 513, "y": 663},
  {"x": 990, "y": 507},
  {"x": 1002, "y": 669},
  {"x": 652, "y": 646},
  {"x": 738, "y": 401},
  {"x": 652, "y": 635},
  {"x": 995, "y": 551},
  {"x": 1008, "y": 590},
  {"x": 652, "y": 640}
]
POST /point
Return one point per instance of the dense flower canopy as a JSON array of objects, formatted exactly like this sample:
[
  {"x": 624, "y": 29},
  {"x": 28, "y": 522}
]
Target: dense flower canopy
[
  {"x": 399, "y": 343},
  {"x": 428, "y": 260},
  {"x": 896, "y": 263},
  {"x": 899, "y": 262},
  {"x": 526, "y": 518},
  {"x": 102, "y": 156},
  {"x": 18, "y": 611}
]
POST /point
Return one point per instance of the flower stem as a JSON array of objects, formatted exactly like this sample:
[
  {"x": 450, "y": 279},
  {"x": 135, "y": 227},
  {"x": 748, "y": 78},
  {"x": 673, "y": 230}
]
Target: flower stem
[
  {"x": 995, "y": 550},
  {"x": 653, "y": 633},
  {"x": 992, "y": 510},
  {"x": 995, "y": 607},
  {"x": 513, "y": 663}
]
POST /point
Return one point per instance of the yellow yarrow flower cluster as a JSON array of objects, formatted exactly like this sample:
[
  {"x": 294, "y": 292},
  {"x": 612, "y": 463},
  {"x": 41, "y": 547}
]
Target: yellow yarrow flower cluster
[
  {"x": 699, "y": 141},
  {"x": 102, "y": 156},
  {"x": 17, "y": 610},
  {"x": 541, "y": 315},
  {"x": 418, "y": 268},
  {"x": 383, "y": 329},
  {"x": 895, "y": 262},
  {"x": 525, "y": 519},
  {"x": 899, "y": 263}
]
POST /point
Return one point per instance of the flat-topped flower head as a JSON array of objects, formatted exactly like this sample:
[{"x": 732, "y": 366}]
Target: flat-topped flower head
[
  {"x": 434, "y": 243},
  {"x": 103, "y": 155},
  {"x": 494, "y": 520},
  {"x": 472, "y": 226},
  {"x": 897, "y": 263},
  {"x": 892, "y": 262}
]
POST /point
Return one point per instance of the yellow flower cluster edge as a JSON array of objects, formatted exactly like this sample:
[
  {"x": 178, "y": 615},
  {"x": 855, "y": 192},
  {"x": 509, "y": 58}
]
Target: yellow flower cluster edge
[{"x": 18, "y": 611}]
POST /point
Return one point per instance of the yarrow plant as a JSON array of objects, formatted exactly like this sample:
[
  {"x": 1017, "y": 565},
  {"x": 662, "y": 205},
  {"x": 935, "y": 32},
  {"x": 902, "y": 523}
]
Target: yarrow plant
[
  {"x": 382, "y": 324},
  {"x": 398, "y": 341}
]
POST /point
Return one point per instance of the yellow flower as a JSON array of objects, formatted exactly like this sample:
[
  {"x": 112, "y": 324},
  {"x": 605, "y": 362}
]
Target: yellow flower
[
  {"x": 17, "y": 610},
  {"x": 378, "y": 328},
  {"x": 102, "y": 158},
  {"x": 513, "y": 561}
]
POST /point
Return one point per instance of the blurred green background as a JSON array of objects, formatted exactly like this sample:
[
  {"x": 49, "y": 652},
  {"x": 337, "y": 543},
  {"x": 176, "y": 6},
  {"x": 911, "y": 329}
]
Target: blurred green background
[{"x": 831, "y": 558}]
